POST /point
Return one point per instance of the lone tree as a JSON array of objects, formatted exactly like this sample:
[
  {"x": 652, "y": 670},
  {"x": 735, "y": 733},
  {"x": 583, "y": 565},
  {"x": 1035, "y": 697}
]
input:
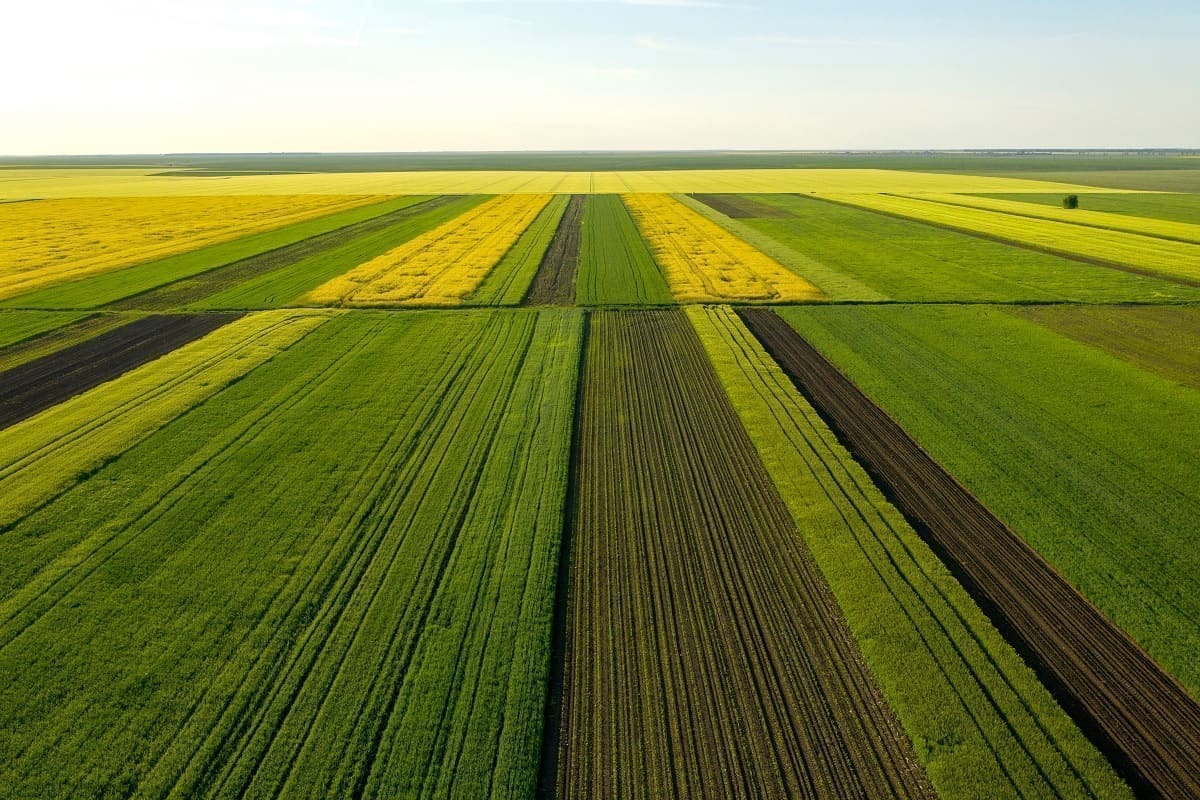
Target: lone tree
[{"x": 1071, "y": 201}]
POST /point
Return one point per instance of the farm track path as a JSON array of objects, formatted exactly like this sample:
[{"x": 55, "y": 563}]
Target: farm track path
[
  {"x": 1139, "y": 716},
  {"x": 37, "y": 385},
  {"x": 705, "y": 655}
]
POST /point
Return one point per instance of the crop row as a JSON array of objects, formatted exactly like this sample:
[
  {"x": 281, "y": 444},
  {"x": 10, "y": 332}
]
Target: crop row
[
  {"x": 47, "y": 454},
  {"x": 43, "y": 382},
  {"x": 509, "y": 282},
  {"x": 383, "y": 632},
  {"x": 943, "y": 667},
  {"x": 1137, "y": 713},
  {"x": 615, "y": 265},
  {"x": 706, "y": 655},
  {"x": 1080, "y": 453}
]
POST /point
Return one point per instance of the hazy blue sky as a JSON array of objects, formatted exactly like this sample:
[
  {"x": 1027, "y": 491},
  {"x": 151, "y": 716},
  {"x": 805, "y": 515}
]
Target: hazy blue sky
[{"x": 144, "y": 76}]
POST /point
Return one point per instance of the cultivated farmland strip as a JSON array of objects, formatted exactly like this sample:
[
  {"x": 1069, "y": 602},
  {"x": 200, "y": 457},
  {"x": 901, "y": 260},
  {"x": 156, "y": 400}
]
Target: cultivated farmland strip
[
  {"x": 554, "y": 284},
  {"x": 1174, "y": 261},
  {"x": 706, "y": 655},
  {"x": 615, "y": 265},
  {"x": 384, "y": 631},
  {"x": 1139, "y": 716},
  {"x": 206, "y": 284},
  {"x": 36, "y": 385},
  {"x": 509, "y": 281}
]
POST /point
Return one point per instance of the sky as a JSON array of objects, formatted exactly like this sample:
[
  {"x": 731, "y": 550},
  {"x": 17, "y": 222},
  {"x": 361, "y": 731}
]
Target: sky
[{"x": 140, "y": 76}]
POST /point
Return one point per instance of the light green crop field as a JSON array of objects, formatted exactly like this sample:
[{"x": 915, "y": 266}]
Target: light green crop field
[
  {"x": 615, "y": 265},
  {"x": 18, "y": 326},
  {"x": 906, "y": 260},
  {"x": 385, "y": 629},
  {"x": 1176, "y": 207},
  {"x": 1086, "y": 456},
  {"x": 1171, "y": 230},
  {"x": 1153, "y": 256}
]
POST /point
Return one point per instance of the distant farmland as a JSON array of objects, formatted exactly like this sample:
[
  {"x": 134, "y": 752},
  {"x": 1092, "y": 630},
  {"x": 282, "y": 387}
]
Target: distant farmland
[{"x": 875, "y": 478}]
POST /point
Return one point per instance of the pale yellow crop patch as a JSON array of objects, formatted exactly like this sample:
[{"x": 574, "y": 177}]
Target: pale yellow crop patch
[
  {"x": 19, "y": 184},
  {"x": 703, "y": 262},
  {"x": 46, "y": 242},
  {"x": 441, "y": 267}
]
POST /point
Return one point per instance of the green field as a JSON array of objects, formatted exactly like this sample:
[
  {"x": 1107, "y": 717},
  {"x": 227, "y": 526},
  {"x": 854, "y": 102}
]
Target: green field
[
  {"x": 979, "y": 717},
  {"x": 539, "y": 529},
  {"x": 908, "y": 261},
  {"x": 1173, "y": 207},
  {"x": 1081, "y": 453},
  {"x": 19, "y": 326},
  {"x": 384, "y": 628},
  {"x": 1172, "y": 260},
  {"x": 615, "y": 265}
]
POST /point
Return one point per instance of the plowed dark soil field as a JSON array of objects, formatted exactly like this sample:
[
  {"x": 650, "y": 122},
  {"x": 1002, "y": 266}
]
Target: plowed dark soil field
[
  {"x": 1138, "y": 715},
  {"x": 554, "y": 284},
  {"x": 705, "y": 654},
  {"x": 34, "y": 386}
]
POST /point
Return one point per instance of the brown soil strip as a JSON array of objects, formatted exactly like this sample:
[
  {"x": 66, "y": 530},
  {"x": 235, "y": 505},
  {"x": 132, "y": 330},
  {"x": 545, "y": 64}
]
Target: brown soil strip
[
  {"x": 37, "y": 385},
  {"x": 1050, "y": 251},
  {"x": 1162, "y": 339},
  {"x": 705, "y": 655},
  {"x": 736, "y": 206},
  {"x": 554, "y": 284},
  {"x": 1139, "y": 716},
  {"x": 197, "y": 287}
]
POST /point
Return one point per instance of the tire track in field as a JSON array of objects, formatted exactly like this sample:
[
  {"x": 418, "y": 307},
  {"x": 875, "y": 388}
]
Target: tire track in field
[
  {"x": 705, "y": 656},
  {"x": 554, "y": 284},
  {"x": 1139, "y": 716},
  {"x": 39, "y": 384}
]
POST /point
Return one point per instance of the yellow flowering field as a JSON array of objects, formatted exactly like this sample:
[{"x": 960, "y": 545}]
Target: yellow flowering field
[
  {"x": 18, "y": 184},
  {"x": 440, "y": 267},
  {"x": 705, "y": 263},
  {"x": 45, "y": 242}
]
